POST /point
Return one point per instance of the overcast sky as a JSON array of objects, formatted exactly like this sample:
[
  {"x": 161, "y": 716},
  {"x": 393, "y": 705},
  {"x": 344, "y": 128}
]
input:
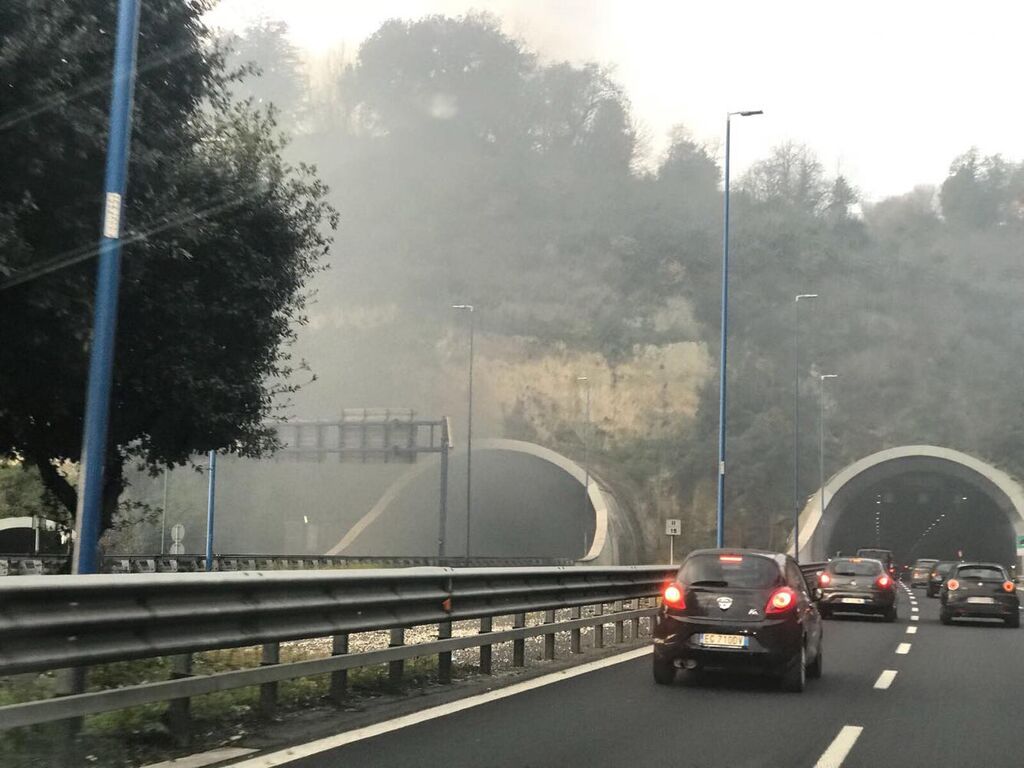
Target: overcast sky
[{"x": 889, "y": 92}]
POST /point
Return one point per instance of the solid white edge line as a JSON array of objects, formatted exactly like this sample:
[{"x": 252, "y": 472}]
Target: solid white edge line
[
  {"x": 885, "y": 679},
  {"x": 201, "y": 759},
  {"x": 840, "y": 747},
  {"x": 903, "y": 649},
  {"x": 300, "y": 751},
  {"x": 911, "y": 630}
]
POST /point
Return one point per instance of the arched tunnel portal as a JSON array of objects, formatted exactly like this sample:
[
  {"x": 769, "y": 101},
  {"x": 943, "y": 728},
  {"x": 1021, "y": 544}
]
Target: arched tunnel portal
[{"x": 918, "y": 501}]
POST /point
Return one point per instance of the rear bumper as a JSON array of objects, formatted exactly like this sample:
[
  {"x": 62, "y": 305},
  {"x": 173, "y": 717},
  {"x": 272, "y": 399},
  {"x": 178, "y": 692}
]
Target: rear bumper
[
  {"x": 1002, "y": 608},
  {"x": 876, "y": 601},
  {"x": 772, "y": 644}
]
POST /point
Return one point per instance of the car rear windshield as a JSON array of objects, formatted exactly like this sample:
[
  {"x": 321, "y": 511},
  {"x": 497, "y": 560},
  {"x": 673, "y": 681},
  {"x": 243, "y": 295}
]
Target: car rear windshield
[
  {"x": 925, "y": 563},
  {"x": 855, "y": 567},
  {"x": 877, "y": 554},
  {"x": 989, "y": 572},
  {"x": 730, "y": 571},
  {"x": 944, "y": 567}
]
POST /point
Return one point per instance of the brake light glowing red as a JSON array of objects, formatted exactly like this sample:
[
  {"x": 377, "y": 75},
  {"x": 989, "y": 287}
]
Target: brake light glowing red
[
  {"x": 953, "y": 585},
  {"x": 1008, "y": 587},
  {"x": 731, "y": 558},
  {"x": 883, "y": 582},
  {"x": 673, "y": 597},
  {"x": 824, "y": 579},
  {"x": 782, "y": 600}
]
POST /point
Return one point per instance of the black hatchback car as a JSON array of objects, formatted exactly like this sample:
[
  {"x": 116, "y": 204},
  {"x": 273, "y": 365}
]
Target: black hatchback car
[
  {"x": 979, "y": 590},
  {"x": 859, "y": 585},
  {"x": 738, "y": 609}
]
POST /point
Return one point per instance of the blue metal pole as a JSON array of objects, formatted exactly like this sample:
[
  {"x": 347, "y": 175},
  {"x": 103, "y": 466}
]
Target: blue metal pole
[
  {"x": 101, "y": 358},
  {"x": 720, "y": 531},
  {"x": 211, "y": 498}
]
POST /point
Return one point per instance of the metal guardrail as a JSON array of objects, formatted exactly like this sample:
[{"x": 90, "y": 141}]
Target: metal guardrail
[
  {"x": 33, "y": 565},
  {"x": 49, "y": 622}
]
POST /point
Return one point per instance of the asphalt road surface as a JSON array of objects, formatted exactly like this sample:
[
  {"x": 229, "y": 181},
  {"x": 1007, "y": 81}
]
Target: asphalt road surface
[{"x": 911, "y": 693}]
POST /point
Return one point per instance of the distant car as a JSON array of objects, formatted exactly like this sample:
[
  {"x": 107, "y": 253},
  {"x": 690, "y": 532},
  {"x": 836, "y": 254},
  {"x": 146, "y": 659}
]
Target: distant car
[
  {"x": 856, "y": 584},
  {"x": 884, "y": 555},
  {"x": 738, "y": 609},
  {"x": 919, "y": 573},
  {"x": 979, "y": 590},
  {"x": 938, "y": 575}
]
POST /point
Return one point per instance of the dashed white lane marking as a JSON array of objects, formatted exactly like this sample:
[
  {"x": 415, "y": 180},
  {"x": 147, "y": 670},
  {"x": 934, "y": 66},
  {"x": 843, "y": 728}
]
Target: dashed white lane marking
[
  {"x": 885, "y": 679},
  {"x": 300, "y": 751},
  {"x": 911, "y": 630},
  {"x": 913, "y": 609},
  {"x": 914, "y": 618},
  {"x": 840, "y": 747},
  {"x": 903, "y": 649}
]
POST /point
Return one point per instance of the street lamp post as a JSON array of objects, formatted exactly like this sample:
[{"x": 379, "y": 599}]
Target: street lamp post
[
  {"x": 796, "y": 422},
  {"x": 586, "y": 462},
  {"x": 469, "y": 426},
  {"x": 725, "y": 327},
  {"x": 821, "y": 436}
]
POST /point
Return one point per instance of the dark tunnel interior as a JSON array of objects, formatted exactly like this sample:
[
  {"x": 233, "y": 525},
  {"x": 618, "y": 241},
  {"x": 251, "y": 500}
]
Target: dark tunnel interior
[{"x": 925, "y": 514}]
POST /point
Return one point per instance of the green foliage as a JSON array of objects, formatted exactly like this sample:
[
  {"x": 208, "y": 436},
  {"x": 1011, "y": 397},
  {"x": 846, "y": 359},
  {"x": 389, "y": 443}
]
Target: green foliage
[
  {"x": 22, "y": 494},
  {"x": 222, "y": 236}
]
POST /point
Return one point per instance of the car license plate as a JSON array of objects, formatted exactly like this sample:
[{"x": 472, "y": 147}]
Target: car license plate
[
  {"x": 981, "y": 600},
  {"x": 723, "y": 641},
  {"x": 853, "y": 600}
]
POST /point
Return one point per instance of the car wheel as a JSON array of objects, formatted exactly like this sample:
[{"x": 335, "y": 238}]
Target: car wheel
[
  {"x": 945, "y": 617},
  {"x": 814, "y": 670},
  {"x": 1013, "y": 622},
  {"x": 795, "y": 676},
  {"x": 664, "y": 671},
  {"x": 825, "y": 613},
  {"x": 931, "y": 592},
  {"x": 890, "y": 614}
]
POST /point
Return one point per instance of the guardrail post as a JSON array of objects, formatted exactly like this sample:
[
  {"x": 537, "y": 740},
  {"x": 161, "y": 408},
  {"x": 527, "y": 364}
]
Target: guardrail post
[
  {"x": 339, "y": 679},
  {"x": 636, "y": 622},
  {"x": 519, "y": 645},
  {"x": 486, "y": 624},
  {"x": 599, "y": 628},
  {"x": 396, "y": 668},
  {"x": 178, "y": 716},
  {"x": 268, "y": 691},
  {"x": 574, "y": 635},
  {"x": 620, "y": 632},
  {"x": 444, "y": 659},
  {"x": 70, "y": 681},
  {"x": 549, "y": 639}
]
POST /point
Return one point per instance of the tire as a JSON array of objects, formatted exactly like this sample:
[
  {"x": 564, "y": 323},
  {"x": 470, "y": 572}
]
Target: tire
[
  {"x": 890, "y": 614},
  {"x": 795, "y": 677},
  {"x": 664, "y": 671},
  {"x": 945, "y": 617},
  {"x": 814, "y": 670},
  {"x": 825, "y": 613},
  {"x": 931, "y": 592},
  {"x": 1013, "y": 622}
]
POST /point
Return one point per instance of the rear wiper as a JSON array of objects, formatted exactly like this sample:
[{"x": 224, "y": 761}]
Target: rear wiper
[{"x": 709, "y": 583}]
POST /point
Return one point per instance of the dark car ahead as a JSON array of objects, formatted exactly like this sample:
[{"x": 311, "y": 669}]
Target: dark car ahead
[
  {"x": 979, "y": 590},
  {"x": 884, "y": 555},
  {"x": 919, "y": 573},
  {"x": 859, "y": 585},
  {"x": 938, "y": 575},
  {"x": 738, "y": 609}
]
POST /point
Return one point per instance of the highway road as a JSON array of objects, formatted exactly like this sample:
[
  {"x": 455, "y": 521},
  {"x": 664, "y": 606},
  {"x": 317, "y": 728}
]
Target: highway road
[{"x": 911, "y": 693}]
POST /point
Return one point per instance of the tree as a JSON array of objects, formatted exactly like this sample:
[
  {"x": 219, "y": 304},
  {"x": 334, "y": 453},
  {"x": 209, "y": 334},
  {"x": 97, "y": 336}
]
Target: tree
[
  {"x": 221, "y": 238},
  {"x": 278, "y": 76}
]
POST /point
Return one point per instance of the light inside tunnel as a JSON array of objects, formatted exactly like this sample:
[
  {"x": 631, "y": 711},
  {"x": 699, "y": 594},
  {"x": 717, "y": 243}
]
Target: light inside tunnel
[{"x": 925, "y": 515}]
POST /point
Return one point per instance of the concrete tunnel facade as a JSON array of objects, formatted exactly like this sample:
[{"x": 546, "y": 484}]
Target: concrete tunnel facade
[
  {"x": 540, "y": 479},
  {"x": 991, "y": 511}
]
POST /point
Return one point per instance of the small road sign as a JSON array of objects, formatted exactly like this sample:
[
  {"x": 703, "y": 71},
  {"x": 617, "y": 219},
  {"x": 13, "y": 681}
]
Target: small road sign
[{"x": 673, "y": 527}]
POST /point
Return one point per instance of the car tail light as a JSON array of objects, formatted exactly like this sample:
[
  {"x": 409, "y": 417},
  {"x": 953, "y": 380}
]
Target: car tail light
[
  {"x": 1008, "y": 587},
  {"x": 883, "y": 582},
  {"x": 673, "y": 596},
  {"x": 824, "y": 579},
  {"x": 952, "y": 585},
  {"x": 782, "y": 600}
]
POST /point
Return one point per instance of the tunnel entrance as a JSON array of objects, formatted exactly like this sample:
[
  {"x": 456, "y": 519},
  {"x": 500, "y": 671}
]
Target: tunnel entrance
[
  {"x": 921, "y": 514},
  {"x": 919, "y": 501}
]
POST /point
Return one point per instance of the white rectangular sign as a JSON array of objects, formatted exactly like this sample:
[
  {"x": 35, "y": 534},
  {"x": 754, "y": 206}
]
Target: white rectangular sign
[{"x": 673, "y": 527}]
